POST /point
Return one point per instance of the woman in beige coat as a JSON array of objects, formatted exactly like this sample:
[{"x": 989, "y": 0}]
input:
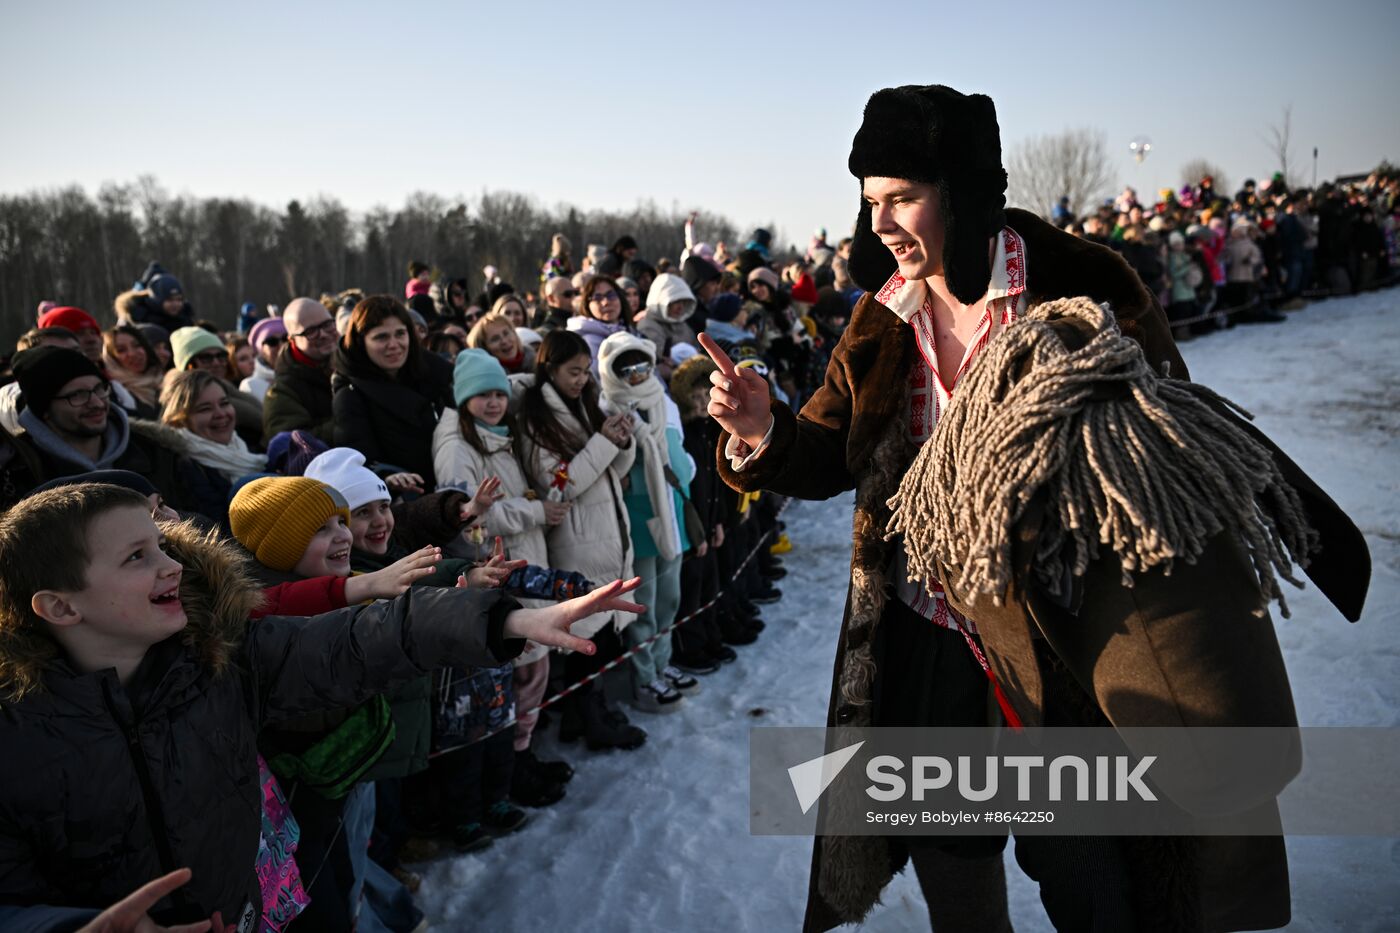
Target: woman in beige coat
[{"x": 571, "y": 453}]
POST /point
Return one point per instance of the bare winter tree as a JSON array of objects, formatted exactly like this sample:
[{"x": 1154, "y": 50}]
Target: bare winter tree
[
  {"x": 1073, "y": 164},
  {"x": 1192, "y": 173},
  {"x": 71, "y": 247},
  {"x": 1279, "y": 138}
]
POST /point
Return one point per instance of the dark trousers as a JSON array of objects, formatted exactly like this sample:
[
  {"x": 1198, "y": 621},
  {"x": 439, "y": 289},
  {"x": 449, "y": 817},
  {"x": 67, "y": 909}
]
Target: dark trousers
[
  {"x": 324, "y": 859},
  {"x": 472, "y": 779},
  {"x": 928, "y": 676},
  {"x": 699, "y": 583}
]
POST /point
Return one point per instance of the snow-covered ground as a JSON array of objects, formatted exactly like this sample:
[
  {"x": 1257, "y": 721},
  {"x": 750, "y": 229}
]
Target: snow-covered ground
[{"x": 658, "y": 839}]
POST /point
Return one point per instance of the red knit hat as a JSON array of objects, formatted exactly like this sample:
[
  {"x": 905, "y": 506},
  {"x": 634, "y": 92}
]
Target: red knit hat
[
  {"x": 805, "y": 290},
  {"x": 74, "y": 319}
]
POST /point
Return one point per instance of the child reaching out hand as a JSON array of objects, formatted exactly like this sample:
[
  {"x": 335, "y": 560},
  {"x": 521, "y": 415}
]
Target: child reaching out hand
[{"x": 133, "y": 701}]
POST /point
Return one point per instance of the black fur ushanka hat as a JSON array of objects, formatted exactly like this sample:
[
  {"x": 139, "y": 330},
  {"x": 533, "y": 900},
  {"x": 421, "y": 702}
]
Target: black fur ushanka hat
[{"x": 939, "y": 136}]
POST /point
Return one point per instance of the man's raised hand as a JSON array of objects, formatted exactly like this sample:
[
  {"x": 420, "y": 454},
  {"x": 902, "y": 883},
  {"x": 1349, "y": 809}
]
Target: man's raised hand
[
  {"x": 550, "y": 626},
  {"x": 739, "y": 398}
]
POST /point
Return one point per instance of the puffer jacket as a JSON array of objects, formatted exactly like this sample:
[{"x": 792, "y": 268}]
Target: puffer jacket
[
  {"x": 658, "y": 326},
  {"x": 105, "y": 786},
  {"x": 595, "y": 538},
  {"x": 517, "y": 518}
]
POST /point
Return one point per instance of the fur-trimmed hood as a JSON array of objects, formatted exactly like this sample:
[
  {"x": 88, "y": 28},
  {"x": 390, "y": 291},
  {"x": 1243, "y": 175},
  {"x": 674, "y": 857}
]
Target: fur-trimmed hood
[
  {"x": 217, "y": 589},
  {"x": 692, "y": 374},
  {"x": 127, "y": 305}
]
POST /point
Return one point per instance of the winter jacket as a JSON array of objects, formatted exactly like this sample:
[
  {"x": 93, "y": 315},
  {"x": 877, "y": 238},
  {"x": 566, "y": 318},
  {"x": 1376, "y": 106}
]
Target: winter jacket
[
  {"x": 299, "y": 399},
  {"x": 594, "y": 332},
  {"x": 139, "y": 306},
  {"x": 391, "y": 422},
  {"x": 517, "y": 518},
  {"x": 105, "y": 786},
  {"x": 36, "y": 455},
  {"x": 1243, "y": 260},
  {"x": 1183, "y": 270},
  {"x": 659, "y": 327},
  {"x": 594, "y": 539}
]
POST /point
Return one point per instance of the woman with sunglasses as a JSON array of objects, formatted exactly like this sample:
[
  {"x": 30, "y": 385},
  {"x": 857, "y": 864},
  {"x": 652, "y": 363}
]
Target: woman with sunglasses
[
  {"x": 601, "y": 317},
  {"x": 659, "y": 478}
]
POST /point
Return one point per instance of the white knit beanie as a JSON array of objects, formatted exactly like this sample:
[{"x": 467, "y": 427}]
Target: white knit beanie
[{"x": 343, "y": 469}]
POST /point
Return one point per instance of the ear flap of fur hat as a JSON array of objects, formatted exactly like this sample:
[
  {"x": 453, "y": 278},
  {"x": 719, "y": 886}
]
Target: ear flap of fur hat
[{"x": 871, "y": 263}]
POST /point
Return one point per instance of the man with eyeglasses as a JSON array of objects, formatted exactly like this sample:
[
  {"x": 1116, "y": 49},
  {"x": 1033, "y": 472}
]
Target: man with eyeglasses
[
  {"x": 299, "y": 398},
  {"x": 559, "y": 295},
  {"x": 71, "y": 425}
]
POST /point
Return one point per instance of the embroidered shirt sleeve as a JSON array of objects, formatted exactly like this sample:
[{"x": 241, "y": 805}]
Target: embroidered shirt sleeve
[{"x": 738, "y": 453}]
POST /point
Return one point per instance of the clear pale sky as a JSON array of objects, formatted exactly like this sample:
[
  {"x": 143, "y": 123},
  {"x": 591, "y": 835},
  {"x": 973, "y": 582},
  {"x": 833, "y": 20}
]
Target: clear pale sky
[{"x": 743, "y": 108}]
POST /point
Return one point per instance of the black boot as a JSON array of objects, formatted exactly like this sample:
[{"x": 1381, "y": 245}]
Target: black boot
[
  {"x": 556, "y": 772},
  {"x": 608, "y": 728},
  {"x": 529, "y": 788}
]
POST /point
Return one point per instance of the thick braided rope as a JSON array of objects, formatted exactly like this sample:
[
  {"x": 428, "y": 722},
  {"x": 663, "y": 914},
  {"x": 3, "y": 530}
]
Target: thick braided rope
[{"x": 1134, "y": 462}]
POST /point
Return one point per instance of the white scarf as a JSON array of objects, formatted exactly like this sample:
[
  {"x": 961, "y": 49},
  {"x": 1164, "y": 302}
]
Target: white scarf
[
  {"x": 234, "y": 460},
  {"x": 649, "y": 400}
]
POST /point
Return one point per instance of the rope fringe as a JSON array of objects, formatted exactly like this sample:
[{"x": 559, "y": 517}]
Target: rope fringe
[{"x": 1137, "y": 463}]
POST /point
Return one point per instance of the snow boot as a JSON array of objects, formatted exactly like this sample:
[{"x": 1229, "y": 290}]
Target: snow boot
[
  {"x": 723, "y": 654},
  {"x": 529, "y": 787},
  {"x": 555, "y": 772},
  {"x": 696, "y": 663},
  {"x": 782, "y": 546},
  {"x": 608, "y": 728}
]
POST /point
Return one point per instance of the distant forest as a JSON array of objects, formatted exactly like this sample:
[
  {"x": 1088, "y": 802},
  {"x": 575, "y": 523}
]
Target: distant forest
[{"x": 84, "y": 250}]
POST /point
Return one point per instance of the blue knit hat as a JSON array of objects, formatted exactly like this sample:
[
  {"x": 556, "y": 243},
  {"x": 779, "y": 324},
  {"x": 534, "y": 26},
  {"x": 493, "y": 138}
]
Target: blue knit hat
[
  {"x": 166, "y": 286},
  {"x": 476, "y": 372}
]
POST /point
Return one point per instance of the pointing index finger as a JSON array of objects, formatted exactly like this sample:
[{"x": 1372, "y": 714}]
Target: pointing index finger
[{"x": 722, "y": 360}]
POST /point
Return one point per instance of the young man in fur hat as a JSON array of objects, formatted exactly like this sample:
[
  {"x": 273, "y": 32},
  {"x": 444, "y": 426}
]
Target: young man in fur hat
[{"x": 947, "y": 268}]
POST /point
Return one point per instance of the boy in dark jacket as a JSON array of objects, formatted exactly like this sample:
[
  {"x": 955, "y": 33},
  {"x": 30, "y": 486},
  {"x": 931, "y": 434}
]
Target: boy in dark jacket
[{"x": 134, "y": 691}]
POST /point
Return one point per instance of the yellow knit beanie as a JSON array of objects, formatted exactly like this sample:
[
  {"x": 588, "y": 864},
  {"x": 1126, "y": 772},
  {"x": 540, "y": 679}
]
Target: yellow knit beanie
[{"x": 276, "y": 517}]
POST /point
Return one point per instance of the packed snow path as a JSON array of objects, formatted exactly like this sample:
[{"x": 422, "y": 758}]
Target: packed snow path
[{"x": 658, "y": 839}]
